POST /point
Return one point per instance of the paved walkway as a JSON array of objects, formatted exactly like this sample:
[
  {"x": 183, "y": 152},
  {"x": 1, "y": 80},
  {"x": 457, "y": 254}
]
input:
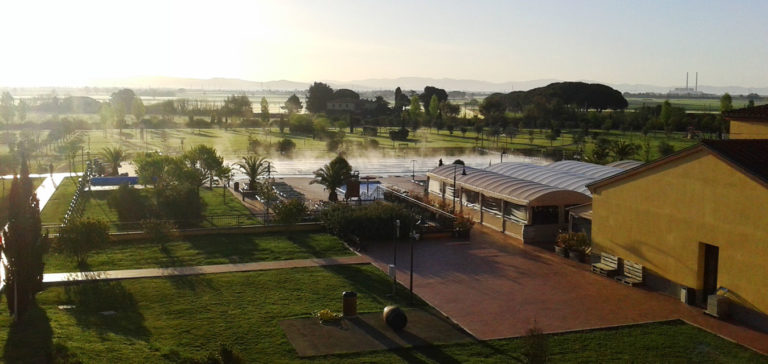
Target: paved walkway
[
  {"x": 496, "y": 288},
  {"x": 71, "y": 277}
]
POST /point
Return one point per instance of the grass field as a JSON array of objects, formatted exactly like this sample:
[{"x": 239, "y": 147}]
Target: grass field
[
  {"x": 161, "y": 320},
  {"x": 233, "y": 143},
  {"x": 204, "y": 250},
  {"x": 217, "y": 203}
]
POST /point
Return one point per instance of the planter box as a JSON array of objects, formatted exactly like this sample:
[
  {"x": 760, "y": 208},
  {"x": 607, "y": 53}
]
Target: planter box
[
  {"x": 576, "y": 255},
  {"x": 563, "y": 252},
  {"x": 462, "y": 234}
]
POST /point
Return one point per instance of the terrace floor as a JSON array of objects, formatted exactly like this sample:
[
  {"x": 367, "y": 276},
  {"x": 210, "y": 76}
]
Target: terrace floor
[{"x": 494, "y": 287}]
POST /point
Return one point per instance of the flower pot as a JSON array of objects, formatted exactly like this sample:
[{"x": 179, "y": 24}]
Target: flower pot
[
  {"x": 576, "y": 255},
  {"x": 561, "y": 251},
  {"x": 462, "y": 233}
]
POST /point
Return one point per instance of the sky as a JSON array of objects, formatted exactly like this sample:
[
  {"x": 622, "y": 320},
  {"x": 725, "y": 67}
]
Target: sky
[{"x": 72, "y": 43}]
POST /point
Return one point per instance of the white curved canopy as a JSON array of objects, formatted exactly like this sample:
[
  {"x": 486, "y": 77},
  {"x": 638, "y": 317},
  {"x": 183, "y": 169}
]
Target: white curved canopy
[{"x": 493, "y": 184}]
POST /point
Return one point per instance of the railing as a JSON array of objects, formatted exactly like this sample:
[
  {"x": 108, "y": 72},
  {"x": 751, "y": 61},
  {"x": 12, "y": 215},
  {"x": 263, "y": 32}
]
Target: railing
[
  {"x": 443, "y": 219},
  {"x": 214, "y": 221}
]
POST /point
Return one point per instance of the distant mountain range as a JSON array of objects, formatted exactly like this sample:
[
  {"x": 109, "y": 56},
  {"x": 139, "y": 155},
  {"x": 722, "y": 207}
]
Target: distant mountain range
[{"x": 405, "y": 83}]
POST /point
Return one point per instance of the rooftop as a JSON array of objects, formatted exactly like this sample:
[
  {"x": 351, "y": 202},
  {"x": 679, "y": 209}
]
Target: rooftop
[
  {"x": 756, "y": 113},
  {"x": 751, "y": 155}
]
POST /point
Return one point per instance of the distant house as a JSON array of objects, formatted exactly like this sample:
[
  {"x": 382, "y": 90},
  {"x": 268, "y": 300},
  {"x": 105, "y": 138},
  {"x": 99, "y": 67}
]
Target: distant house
[
  {"x": 342, "y": 105},
  {"x": 696, "y": 220},
  {"x": 748, "y": 123}
]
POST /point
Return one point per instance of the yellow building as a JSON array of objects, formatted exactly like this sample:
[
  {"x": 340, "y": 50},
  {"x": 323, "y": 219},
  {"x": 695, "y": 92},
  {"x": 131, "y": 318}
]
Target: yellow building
[
  {"x": 748, "y": 123},
  {"x": 696, "y": 219}
]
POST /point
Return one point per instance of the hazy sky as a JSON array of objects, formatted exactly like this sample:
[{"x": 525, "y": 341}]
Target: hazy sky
[{"x": 50, "y": 43}]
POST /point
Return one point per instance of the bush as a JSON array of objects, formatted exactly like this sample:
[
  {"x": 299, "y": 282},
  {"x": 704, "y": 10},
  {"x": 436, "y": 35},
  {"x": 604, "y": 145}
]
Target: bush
[
  {"x": 290, "y": 212},
  {"x": 286, "y": 146},
  {"x": 400, "y": 134},
  {"x": 301, "y": 124},
  {"x": 128, "y": 202},
  {"x": 368, "y": 222},
  {"x": 80, "y": 236},
  {"x": 181, "y": 203}
]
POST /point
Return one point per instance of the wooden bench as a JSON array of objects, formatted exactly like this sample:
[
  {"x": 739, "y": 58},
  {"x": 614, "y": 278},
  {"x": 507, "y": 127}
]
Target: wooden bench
[
  {"x": 632, "y": 275},
  {"x": 608, "y": 266}
]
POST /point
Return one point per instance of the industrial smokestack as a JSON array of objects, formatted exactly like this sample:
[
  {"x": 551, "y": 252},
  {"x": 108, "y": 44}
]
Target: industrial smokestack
[
  {"x": 696, "y": 88},
  {"x": 686, "y": 80}
]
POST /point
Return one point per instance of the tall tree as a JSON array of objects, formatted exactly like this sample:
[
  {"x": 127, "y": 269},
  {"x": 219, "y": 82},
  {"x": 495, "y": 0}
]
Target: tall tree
[
  {"x": 122, "y": 104},
  {"x": 293, "y": 104},
  {"x": 726, "y": 102},
  {"x": 23, "y": 107},
  {"x": 400, "y": 100},
  {"x": 345, "y": 93},
  {"x": 236, "y": 107},
  {"x": 114, "y": 156},
  {"x": 434, "y": 107},
  {"x": 429, "y": 91},
  {"x": 7, "y": 109},
  {"x": 265, "y": 112},
  {"x": 137, "y": 109},
  {"x": 333, "y": 175},
  {"x": 206, "y": 160},
  {"x": 318, "y": 96},
  {"x": 415, "y": 109},
  {"x": 23, "y": 244},
  {"x": 254, "y": 167}
]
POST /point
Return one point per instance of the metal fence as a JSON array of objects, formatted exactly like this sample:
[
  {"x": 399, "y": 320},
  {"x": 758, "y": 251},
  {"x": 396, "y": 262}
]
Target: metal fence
[{"x": 214, "y": 221}]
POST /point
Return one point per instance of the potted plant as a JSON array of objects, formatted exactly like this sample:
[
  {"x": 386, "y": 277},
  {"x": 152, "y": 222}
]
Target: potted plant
[
  {"x": 560, "y": 248},
  {"x": 577, "y": 244},
  {"x": 462, "y": 226}
]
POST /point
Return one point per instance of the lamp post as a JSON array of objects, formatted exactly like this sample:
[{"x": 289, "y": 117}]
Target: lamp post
[{"x": 463, "y": 173}]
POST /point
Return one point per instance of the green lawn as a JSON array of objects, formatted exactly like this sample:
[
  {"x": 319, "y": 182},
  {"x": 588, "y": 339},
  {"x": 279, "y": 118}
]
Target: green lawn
[
  {"x": 5, "y": 189},
  {"x": 217, "y": 203},
  {"x": 53, "y": 212},
  {"x": 204, "y": 250},
  {"x": 161, "y": 320}
]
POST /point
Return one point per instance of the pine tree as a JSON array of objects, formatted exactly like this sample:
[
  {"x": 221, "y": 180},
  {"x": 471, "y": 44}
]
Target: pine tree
[{"x": 23, "y": 244}]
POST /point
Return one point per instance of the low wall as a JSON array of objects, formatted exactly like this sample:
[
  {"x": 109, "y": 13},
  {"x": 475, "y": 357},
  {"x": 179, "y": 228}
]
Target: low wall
[{"x": 254, "y": 229}]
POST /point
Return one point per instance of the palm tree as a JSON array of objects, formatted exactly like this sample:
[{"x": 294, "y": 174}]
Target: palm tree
[
  {"x": 333, "y": 175},
  {"x": 622, "y": 150},
  {"x": 254, "y": 167},
  {"x": 114, "y": 157}
]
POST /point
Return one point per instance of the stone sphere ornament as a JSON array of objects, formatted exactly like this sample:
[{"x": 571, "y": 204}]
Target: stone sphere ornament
[{"x": 395, "y": 318}]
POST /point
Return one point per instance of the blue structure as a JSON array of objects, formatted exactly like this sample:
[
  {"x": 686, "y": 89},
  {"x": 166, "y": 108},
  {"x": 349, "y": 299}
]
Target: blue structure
[{"x": 114, "y": 181}]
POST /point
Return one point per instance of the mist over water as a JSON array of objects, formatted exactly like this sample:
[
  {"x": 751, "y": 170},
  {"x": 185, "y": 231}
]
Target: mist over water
[{"x": 375, "y": 164}]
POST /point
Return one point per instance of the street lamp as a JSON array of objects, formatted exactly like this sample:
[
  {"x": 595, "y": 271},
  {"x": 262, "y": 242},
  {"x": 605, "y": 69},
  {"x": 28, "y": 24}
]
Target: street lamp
[{"x": 463, "y": 173}]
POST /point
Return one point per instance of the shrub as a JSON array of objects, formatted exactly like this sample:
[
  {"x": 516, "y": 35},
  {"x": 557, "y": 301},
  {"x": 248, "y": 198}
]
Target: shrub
[
  {"x": 286, "y": 146},
  {"x": 80, "y": 236},
  {"x": 368, "y": 222},
  {"x": 180, "y": 202},
  {"x": 128, "y": 202},
  {"x": 290, "y": 212},
  {"x": 400, "y": 134}
]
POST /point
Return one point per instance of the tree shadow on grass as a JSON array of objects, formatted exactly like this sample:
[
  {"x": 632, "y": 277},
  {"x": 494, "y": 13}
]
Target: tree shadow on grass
[
  {"x": 30, "y": 340},
  {"x": 303, "y": 241},
  {"x": 107, "y": 307}
]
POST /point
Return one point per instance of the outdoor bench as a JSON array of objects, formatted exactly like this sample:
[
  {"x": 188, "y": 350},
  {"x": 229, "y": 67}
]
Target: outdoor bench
[
  {"x": 608, "y": 265},
  {"x": 632, "y": 274}
]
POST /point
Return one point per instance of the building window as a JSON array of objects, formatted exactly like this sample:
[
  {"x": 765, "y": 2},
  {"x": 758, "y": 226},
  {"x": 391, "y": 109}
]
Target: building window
[
  {"x": 545, "y": 215},
  {"x": 513, "y": 211}
]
